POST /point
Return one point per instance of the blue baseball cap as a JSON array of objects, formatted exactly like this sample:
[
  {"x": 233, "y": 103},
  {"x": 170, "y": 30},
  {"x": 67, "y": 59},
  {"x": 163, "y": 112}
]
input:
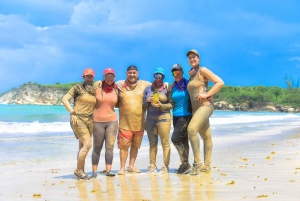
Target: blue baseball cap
[{"x": 159, "y": 70}]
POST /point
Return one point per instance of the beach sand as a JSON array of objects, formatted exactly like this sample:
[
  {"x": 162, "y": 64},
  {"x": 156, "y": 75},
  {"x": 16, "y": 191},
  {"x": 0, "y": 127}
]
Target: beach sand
[{"x": 266, "y": 169}]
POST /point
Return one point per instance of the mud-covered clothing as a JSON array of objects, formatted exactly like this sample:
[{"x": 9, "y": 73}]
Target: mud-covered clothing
[
  {"x": 181, "y": 100},
  {"x": 202, "y": 110},
  {"x": 105, "y": 125},
  {"x": 180, "y": 137},
  {"x": 131, "y": 113},
  {"x": 158, "y": 122},
  {"x": 181, "y": 119},
  {"x": 83, "y": 126},
  {"x": 197, "y": 85},
  {"x": 84, "y": 102},
  {"x": 104, "y": 109},
  {"x": 104, "y": 131},
  {"x": 158, "y": 113},
  {"x": 128, "y": 138},
  {"x": 200, "y": 123}
]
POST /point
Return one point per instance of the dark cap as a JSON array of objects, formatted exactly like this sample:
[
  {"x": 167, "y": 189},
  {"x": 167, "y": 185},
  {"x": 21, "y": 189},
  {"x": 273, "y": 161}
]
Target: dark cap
[
  {"x": 193, "y": 51},
  {"x": 132, "y": 67},
  {"x": 176, "y": 67}
]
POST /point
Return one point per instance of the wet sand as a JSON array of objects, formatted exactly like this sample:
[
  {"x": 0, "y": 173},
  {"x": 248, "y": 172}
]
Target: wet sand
[{"x": 268, "y": 170}]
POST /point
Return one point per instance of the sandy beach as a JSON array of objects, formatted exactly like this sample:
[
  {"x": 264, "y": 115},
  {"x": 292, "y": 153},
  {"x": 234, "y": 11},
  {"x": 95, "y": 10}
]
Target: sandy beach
[{"x": 267, "y": 169}]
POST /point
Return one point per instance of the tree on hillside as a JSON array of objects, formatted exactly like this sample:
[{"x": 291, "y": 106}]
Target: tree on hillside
[{"x": 276, "y": 91}]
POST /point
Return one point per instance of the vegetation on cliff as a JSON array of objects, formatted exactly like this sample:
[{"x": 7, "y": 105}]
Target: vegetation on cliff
[
  {"x": 261, "y": 94},
  {"x": 64, "y": 87},
  {"x": 247, "y": 97}
]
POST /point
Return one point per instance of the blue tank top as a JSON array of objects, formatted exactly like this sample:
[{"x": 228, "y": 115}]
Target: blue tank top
[{"x": 181, "y": 102}]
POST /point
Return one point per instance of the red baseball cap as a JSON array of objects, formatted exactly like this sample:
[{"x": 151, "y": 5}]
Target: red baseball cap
[
  {"x": 88, "y": 71},
  {"x": 109, "y": 70}
]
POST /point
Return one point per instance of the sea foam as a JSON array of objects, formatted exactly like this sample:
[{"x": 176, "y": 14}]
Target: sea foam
[
  {"x": 237, "y": 119},
  {"x": 34, "y": 127}
]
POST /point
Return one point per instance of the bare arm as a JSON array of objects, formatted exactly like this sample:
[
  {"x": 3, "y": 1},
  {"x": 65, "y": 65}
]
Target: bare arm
[
  {"x": 65, "y": 101},
  {"x": 218, "y": 83}
]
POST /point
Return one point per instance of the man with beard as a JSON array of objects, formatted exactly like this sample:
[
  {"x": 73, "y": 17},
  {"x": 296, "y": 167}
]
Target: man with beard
[{"x": 132, "y": 118}]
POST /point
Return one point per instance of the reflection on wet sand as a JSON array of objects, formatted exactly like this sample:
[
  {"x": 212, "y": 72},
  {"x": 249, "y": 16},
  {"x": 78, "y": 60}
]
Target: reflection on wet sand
[
  {"x": 82, "y": 192},
  {"x": 104, "y": 189},
  {"x": 148, "y": 187},
  {"x": 202, "y": 187},
  {"x": 130, "y": 187}
]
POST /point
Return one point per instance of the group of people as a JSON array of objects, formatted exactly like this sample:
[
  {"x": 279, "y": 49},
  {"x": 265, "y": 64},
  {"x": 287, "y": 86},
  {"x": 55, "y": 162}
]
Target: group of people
[{"x": 144, "y": 106}]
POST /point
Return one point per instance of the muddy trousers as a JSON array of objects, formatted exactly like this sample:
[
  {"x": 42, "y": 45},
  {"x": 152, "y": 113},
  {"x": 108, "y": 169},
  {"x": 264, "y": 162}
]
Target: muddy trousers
[
  {"x": 180, "y": 137},
  {"x": 104, "y": 131},
  {"x": 200, "y": 123},
  {"x": 159, "y": 128}
]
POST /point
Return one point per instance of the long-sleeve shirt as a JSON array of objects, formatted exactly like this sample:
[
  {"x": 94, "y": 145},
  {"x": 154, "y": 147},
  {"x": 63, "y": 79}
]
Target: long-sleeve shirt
[{"x": 158, "y": 113}]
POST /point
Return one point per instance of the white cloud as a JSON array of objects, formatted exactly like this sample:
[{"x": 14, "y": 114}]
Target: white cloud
[
  {"x": 235, "y": 23},
  {"x": 15, "y": 31},
  {"x": 256, "y": 53},
  {"x": 295, "y": 59},
  {"x": 90, "y": 13},
  {"x": 38, "y": 28},
  {"x": 99, "y": 29}
]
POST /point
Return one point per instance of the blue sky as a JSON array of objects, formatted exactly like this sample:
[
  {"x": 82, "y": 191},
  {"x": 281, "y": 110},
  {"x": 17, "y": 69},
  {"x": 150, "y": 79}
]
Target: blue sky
[{"x": 245, "y": 42}]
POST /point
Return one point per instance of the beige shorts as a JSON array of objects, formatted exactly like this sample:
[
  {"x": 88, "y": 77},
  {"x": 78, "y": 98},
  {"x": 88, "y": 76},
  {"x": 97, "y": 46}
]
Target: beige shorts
[
  {"x": 84, "y": 126},
  {"x": 127, "y": 138}
]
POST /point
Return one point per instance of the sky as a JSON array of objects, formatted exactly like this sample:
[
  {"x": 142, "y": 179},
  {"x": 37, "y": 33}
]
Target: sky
[{"x": 246, "y": 43}]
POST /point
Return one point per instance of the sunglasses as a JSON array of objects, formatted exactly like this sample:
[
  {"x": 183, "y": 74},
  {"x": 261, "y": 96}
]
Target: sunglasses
[
  {"x": 158, "y": 76},
  {"x": 176, "y": 73}
]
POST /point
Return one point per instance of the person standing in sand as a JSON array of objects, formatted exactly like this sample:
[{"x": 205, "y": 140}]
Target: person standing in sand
[
  {"x": 158, "y": 120},
  {"x": 181, "y": 117},
  {"x": 202, "y": 109},
  {"x": 105, "y": 122},
  {"x": 81, "y": 117},
  {"x": 131, "y": 119}
]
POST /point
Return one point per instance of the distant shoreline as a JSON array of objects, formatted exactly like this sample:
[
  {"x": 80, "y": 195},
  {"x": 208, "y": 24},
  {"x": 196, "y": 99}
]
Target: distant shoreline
[{"x": 247, "y": 99}]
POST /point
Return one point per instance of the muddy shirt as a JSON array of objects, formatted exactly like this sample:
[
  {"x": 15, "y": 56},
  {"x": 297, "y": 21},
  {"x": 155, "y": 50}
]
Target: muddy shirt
[
  {"x": 132, "y": 114},
  {"x": 158, "y": 113},
  {"x": 84, "y": 101},
  {"x": 197, "y": 85},
  {"x": 104, "y": 110}
]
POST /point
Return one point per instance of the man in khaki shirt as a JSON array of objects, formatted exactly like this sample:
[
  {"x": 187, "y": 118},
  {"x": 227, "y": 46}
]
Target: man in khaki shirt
[{"x": 132, "y": 118}]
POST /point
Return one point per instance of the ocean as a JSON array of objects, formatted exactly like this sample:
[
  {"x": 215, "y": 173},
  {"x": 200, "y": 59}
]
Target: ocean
[{"x": 35, "y": 133}]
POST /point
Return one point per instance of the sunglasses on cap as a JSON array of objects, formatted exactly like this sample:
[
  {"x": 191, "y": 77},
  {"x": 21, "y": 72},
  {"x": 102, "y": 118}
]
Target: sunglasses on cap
[
  {"x": 158, "y": 76},
  {"x": 176, "y": 73}
]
